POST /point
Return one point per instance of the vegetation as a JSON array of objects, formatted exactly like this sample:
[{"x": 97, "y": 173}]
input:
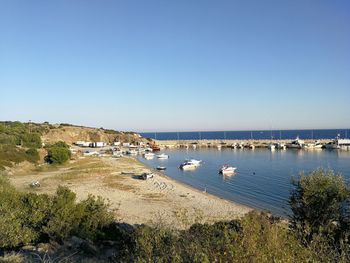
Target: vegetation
[
  {"x": 19, "y": 142},
  {"x": 320, "y": 205},
  {"x": 32, "y": 218},
  {"x": 58, "y": 153}
]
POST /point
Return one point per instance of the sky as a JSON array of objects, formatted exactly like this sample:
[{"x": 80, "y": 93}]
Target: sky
[{"x": 181, "y": 65}]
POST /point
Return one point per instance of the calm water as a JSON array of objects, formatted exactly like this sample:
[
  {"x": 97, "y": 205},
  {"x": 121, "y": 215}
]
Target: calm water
[
  {"x": 263, "y": 178},
  {"x": 243, "y": 135}
]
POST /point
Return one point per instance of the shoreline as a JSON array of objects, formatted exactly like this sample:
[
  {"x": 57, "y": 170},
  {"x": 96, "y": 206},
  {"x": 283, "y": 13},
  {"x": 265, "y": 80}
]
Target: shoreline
[
  {"x": 160, "y": 200},
  {"x": 192, "y": 188}
]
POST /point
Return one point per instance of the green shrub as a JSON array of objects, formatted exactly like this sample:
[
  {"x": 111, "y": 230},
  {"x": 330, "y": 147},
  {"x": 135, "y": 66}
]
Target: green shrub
[
  {"x": 32, "y": 218},
  {"x": 32, "y": 155},
  {"x": 58, "y": 153},
  {"x": 320, "y": 206}
]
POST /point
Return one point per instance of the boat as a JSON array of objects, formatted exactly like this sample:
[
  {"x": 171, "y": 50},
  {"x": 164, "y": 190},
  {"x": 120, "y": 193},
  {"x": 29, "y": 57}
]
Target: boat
[
  {"x": 194, "y": 162},
  {"x": 296, "y": 144},
  {"x": 161, "y": 168},
  {"x": 163, "y": 156},
  {"x": 131, "y": 152},
  {"x": 313, "y": 146},
  {"x": 337, "y": 143},
  {"x": 149, "y": 155},
  {"x": 146, "y": 176},
  {"x": 225, "y": 169},
  {"x": 272, "y": 147},
  {"x": 188, "y": 166},
  {"x": 280, "y": 146},
  {"x": 155, "y": 148}
]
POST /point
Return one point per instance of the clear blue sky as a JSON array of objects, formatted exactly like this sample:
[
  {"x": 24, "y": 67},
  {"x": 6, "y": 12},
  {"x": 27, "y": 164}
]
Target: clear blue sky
[{"x": 176, "y": 65}]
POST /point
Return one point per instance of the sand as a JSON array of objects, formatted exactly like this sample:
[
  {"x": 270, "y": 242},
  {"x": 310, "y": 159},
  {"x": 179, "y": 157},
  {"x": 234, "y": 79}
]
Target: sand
[{"x": 156, "y": 201}]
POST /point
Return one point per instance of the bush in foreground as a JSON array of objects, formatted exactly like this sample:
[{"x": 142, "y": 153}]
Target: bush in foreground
[
  {"x": 320, "y": 206},
  {"x": 31, "y": 218}
]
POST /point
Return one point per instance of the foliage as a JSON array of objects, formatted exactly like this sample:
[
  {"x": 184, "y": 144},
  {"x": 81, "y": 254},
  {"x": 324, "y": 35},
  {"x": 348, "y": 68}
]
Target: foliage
[
  {"x": 254, "y": 238},
  {"x": 10, "y": 154},
  {"x": 14, "y": 138},
  {"x": 29, "y": 217},
  {"x": 58, "y": 153},
  {"x": 320, "y": 206},
  {"x": 24, "y": 134}
]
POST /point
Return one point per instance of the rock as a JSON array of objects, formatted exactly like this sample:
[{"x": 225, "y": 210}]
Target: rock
[
  {"x": 73, "y": 242},
  {"x": 89, "y": 248}
]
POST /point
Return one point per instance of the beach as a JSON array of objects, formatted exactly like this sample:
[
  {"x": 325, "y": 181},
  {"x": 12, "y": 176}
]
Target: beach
[{"x": 156, "y": 201}]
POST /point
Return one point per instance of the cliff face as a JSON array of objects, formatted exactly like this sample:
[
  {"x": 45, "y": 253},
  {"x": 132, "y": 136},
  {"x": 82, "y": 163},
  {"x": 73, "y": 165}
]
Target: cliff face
[{"x": 72, "y": 134}]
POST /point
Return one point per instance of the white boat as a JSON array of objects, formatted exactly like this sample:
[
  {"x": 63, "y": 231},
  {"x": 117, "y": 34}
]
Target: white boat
[
  {"x": 337, "y": 143},
  {"x": 194, "y": 162},
  {"x": 161, "y": 168},
  {"x": 163, "y": 156},
  {"x": 272, "y": 147},
  {"x": 225, "y": 169},
  {"x": 297, "y": 143},
  {"x": 188, "y": 166},
  {"x": 131, "y": 152},
  {"x": 149, "y": 155},
  {"x": 280, "y": 146},
  {"x": 313, "y": 146},
  {"x": 146, "y": 176}
]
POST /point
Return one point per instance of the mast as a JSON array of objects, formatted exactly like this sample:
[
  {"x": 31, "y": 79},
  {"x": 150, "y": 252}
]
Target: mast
[
  {"x": 224, "y": 135},
  {"x": 178, "y": 136}
]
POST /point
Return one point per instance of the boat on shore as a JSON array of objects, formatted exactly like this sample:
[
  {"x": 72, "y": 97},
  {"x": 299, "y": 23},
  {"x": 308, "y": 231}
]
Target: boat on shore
[{"x": 146, "y": 176}]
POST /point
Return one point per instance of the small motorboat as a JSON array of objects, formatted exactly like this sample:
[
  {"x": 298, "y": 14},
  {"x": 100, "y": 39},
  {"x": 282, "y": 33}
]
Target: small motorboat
[
  {"x": 188, "y": 166},
  {"x": 194, "y": 162},
  {"x": 225, "y": 169},
  {"x": 163, "y": 156},
  {"x": 161, "y": 168}
]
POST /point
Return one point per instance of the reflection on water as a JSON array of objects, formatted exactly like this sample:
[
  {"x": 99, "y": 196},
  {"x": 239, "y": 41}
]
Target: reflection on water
[{"x": 263, "y": 177}]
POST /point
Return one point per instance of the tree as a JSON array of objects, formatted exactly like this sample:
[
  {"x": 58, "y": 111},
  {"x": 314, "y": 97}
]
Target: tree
[
  {"x": 320, "y": 206},
  {"x": 58, "y": 153}
]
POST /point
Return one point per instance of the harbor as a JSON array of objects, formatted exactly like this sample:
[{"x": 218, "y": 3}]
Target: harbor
[{"x": 262, "y": 179}]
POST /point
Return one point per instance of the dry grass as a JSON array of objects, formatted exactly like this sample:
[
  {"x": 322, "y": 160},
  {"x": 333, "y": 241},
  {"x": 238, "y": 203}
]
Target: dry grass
[
  {"x": 116, "y": 183},
  {"x": 153, "y": 196}
]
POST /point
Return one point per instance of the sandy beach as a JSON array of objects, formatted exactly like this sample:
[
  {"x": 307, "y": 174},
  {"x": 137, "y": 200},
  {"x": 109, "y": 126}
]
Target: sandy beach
[{"x": 159, "y": 200}]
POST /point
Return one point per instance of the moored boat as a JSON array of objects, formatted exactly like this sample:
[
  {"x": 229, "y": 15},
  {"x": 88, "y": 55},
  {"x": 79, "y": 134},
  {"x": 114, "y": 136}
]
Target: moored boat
[
  {"x": 187, "y": 165},
  {"x": 226, "y": 169},
  {"x": 163, "y": 156},
  {"x": 297, "y": 143},
  {"x": 194, "y": 162}
]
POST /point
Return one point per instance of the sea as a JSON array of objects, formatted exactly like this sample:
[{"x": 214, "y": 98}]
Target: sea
[
  {"x": 253, "y": 134},
  {"x": 263, "y": 179}
]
